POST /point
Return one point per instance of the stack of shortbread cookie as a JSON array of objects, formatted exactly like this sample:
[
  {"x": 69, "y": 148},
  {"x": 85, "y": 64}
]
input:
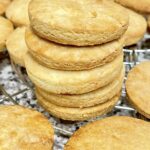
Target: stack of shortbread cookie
[{"x": 75, "y": 56}]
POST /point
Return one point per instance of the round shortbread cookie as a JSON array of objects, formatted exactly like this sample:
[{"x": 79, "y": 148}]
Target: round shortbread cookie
[
  {"x": 85, "y": 100},
  {"x": 3, "y": 5},
  {"x": 136, "y": 29},
  {"x": 76, "y": 114},
  {"x": 6, "y": 28},
  {"x": 81, "y": 23},
  {"x": 138, "y": 88},
  {"x": 72, "y": 82},
  {"x": 17, "y": 12},
  {"x": 69, "y": 57},
  {"x": 142, "y": 6},
  {"x": 16, "y": 46},
  {"x": 24, "y": 129},
  {"x": 112, "y": 133}
]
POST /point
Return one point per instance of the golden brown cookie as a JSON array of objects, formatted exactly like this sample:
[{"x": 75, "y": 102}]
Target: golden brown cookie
[
  {"x": 6, "y": 28},
  {"x": 69, "y": 57},
  {"x": 142, "y": 6},
  {"x": 24, "y": 129},
  {"x": 112, "y": 133},
  {"x": 138, "y": 88},
  {"x": 76, "y": 114},
  {"x": 85, "y": 100},
  {"x": 16, "y": 46},
  {"x": 3, "y": 5},
  {"x": 72, "y": 82},
  {"x": 81, "y": 23},
  {"x": 17, "y": 12},
  {"x": 136, "y": 29}
]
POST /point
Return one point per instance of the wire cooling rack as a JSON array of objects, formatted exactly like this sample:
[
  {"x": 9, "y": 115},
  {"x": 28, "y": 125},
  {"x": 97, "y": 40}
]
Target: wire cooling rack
[{"x": 24, "y": 95}]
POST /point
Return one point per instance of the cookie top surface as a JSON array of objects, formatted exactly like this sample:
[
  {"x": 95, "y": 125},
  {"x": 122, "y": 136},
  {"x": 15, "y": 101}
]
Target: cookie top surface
[
  {"x": 138, "y": 88},
  {"x": 136, "y": 29},
  {"x": 118, "y": 133},
  {"x": 23, "y": 128},
  {"x": 141, "y": 6},
  {"x": 70, "y": 57},
  {"x": 3, "y": 5},
  {"x": 81, "y": 23},
  {"x": 16, "y": 45},
  {"x": 17, "y": 12},
  {"x": 6, "y": 28}
]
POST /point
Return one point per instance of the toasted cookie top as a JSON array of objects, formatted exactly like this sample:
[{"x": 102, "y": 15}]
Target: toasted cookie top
[
  {"x": 141, "y": 6},
  {"x": 17, "y": 12},
  {"x": 138, "y": 88},
  {"x": 117, "y": 133},
  {"x": 23, "y": 128},
  {"x": 81, "y": 23}
]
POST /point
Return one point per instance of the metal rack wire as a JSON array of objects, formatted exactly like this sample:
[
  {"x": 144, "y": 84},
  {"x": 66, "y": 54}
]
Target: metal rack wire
[{"x": 132, "y": 56}]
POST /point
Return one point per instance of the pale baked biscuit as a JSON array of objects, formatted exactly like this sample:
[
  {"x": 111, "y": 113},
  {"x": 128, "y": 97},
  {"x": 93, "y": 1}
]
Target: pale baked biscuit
[
  {"x": 76, "y": 114},
  {"x": 142, "y": 6},
  {"x": 85, "y": 100},
  {"x": 72, "y": 82},
  {"x": 3, "y": 5},
  {"x": 81, "y": 23},
  {"x": 136, "y": 29},
  {"x": 112, "y": 133},
  {"x": 24, "y": 129},
  {"x": 17, "y": 12},
  {"x": 138, "y": 88},
  {"x": 16, "y": 46},
  {"x": 6, "y": 28},
  {"x": 68, "y": 57}
]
